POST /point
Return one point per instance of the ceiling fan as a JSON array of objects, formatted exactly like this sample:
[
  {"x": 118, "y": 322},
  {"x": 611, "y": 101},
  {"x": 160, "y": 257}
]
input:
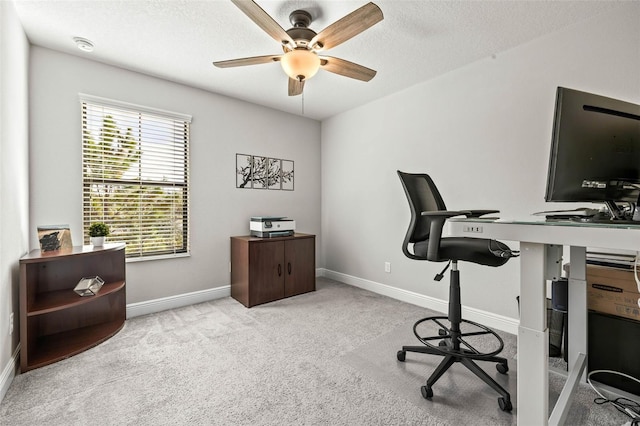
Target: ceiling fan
[{"x": 301, "y": 44}]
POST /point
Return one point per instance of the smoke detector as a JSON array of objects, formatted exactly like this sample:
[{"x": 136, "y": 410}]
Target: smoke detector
[{"x": 83, "y": 44}]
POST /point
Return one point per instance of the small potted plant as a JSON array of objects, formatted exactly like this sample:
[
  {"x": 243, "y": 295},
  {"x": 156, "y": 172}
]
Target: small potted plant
[{"x": 98, "y": 231}]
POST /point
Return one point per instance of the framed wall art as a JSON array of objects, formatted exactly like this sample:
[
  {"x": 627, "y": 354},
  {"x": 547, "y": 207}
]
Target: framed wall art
[
  {"x": 287, "y": 175},
  {"x": 273, "y": 174},
  {"x": 244, "y": 164},
  {"x": 259, "y": 172}
]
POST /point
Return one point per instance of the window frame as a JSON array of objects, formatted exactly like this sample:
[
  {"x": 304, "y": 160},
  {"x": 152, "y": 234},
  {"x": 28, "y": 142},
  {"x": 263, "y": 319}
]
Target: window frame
[{"x": 184, "y": 184}]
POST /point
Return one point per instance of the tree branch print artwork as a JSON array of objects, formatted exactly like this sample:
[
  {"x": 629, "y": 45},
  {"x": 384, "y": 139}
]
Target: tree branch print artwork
[
  {"x": 287, "y": 175},
  {"x": 243, "y": 170},
  {"x": 273, "y": 173},
  {"x": 258, "y": 172}
]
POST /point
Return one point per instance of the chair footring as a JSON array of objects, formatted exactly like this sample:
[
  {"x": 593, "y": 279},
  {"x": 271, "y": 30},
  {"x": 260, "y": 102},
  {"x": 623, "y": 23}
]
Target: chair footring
[{"x": 455, "y": 342}]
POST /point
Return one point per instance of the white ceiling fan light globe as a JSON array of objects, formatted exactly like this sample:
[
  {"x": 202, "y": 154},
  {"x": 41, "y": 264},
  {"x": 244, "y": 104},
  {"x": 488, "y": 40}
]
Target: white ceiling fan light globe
[{"x": 300, "y": 64}]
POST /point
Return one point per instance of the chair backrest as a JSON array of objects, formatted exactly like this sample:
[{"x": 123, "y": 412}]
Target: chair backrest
[{"x": 422, "y": 195}]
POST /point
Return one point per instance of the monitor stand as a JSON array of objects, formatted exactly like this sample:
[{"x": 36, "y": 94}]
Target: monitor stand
[
  {"x": 615, "y": 211},
  {"x": 616, "y": 216}
]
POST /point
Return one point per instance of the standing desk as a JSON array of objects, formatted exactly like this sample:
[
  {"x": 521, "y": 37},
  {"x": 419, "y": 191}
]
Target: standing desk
[{"x": 539, "y": 242}]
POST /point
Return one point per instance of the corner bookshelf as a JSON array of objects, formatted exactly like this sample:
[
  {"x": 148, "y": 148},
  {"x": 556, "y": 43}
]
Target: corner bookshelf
[{"x": 55, "y": 322}]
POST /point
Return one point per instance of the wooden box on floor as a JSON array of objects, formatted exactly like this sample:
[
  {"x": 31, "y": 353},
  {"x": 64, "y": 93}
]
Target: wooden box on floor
[{"x": 268, "y": 269}]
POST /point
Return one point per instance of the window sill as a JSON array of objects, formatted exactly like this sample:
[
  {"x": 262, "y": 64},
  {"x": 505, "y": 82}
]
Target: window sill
[{"x": 158, "y": 257}]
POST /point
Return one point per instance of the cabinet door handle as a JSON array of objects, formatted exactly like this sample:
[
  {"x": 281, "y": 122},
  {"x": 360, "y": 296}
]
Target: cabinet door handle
[
  {"x": 279, "y": 269},
  {"x": 289, "y": 267}
]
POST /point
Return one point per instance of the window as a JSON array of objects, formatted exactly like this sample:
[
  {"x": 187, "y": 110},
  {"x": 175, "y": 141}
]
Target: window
[{"x": 135, "y": 175}]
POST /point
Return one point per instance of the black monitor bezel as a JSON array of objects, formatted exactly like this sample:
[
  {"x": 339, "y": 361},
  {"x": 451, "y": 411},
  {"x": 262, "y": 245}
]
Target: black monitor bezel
[{"x": 569, "y": 104}]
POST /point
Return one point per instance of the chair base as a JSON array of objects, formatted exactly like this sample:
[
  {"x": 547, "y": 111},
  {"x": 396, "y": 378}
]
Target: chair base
[{"x": 450, "y": 342}]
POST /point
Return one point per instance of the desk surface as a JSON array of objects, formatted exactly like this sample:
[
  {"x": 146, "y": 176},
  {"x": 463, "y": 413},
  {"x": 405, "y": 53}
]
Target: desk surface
[{"x": 537, "y": 230}]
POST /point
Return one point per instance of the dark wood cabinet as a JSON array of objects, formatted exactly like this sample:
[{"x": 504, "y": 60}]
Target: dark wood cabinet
[
  {"x": 55, "y": 322},
  {"x": 268, "y": 269}
]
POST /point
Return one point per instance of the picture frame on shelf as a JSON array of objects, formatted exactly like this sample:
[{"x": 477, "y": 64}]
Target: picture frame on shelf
[{"x": 54, "y": 237}]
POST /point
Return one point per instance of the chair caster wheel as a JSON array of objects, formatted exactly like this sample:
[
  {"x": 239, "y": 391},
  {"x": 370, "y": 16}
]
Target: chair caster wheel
[
  {"x": 442, "y": 343},
  {"x": 427, "y": 392},
  {"x": 401, "y": 355},
  {"x": 502, "y": 368},
  {"x": 505, "y": 404}
]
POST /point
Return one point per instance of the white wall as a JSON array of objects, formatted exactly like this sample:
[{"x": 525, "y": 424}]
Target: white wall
[
  {"x": 221, "y": 128},
  {"x": 14, "y": 51},
  {"x": 483, "y": 133}
]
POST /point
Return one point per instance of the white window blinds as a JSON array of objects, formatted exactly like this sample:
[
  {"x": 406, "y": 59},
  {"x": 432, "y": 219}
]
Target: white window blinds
[{"x": 135, "y": 175}]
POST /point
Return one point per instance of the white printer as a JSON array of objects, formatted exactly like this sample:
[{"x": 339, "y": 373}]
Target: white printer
[{"x": 271, "y": 226}]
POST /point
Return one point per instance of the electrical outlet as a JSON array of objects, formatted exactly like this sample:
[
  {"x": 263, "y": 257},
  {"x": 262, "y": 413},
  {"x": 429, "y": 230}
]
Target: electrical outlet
[
  {"x": 11, "y": 323},
  {"x": 387, "y": 267},
  {"x": 472, "y": 228}
]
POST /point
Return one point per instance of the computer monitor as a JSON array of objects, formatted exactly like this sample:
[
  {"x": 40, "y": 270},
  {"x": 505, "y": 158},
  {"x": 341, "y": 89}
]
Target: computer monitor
[{"x": 595, "y": 151}]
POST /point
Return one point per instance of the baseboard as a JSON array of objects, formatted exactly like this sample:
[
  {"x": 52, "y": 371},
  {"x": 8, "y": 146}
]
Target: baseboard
[
  {"x": 9, "y": 372},
  {"x": 178, "y": 301},
  {"x": 489, "y": 319}
]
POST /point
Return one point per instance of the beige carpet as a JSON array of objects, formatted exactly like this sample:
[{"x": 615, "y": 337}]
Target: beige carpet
[{"x": 324, "y": 358}]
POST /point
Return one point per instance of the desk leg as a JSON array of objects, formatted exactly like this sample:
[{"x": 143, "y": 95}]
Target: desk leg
[
  {"x": 577, "y": 311},
  {"x": 577, "y": 349},
  {"x": 533, "y": 338}
]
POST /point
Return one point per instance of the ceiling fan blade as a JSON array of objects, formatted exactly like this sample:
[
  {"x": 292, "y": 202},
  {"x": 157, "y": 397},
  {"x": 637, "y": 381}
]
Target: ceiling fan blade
[
  {"x": 295, "y": 87},
  {"x": 254, "y": 60},
  {"x": 264, "y": 21},
  {"x": 346, "y": 68},
  {"x": 347, "y": 27}
]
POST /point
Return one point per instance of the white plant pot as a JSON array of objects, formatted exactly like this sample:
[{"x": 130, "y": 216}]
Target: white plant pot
[{"x": 97, "y": 241}]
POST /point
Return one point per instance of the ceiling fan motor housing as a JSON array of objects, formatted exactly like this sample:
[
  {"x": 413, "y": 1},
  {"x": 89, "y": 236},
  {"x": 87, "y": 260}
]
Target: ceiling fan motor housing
[
  {"x": 300, "y": 18},
  {"x": 300, "y": 33}
]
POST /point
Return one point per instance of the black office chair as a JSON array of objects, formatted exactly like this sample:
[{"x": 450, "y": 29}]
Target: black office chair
[{"x": 456, "y": 344}]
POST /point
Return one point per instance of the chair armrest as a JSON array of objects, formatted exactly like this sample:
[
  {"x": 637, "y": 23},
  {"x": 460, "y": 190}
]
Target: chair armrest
[
  {"x": 478, "y": 213},
  {"x": 438, "y": 218},
  {"x": 446, "y": 214}
]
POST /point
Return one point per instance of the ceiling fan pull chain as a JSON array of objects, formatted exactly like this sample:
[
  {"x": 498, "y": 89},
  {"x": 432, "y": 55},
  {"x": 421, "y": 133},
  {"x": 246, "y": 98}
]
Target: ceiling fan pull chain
[{"x": 302, "y": 103}]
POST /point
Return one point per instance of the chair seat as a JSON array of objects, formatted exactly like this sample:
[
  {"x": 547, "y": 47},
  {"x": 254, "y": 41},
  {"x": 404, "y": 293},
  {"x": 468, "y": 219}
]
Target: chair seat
[{"x": 475, "y": 250}]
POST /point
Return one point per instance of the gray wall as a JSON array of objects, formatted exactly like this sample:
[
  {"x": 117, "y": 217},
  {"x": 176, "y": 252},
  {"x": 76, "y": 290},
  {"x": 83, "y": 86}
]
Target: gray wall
[
  {"x": 14, "y": 214},
  {"x": 483, "y": 133},
  {"x": 221, "y": 128}
]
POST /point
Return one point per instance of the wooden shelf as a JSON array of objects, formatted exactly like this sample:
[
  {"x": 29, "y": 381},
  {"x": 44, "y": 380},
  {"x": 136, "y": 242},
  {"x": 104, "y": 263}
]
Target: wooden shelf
[
  {"x": 38, "y": 256},
  {"x": 75, "y": 341},
  {"x": 62, "y": 299},
  {"x": 55, "y": 322}
]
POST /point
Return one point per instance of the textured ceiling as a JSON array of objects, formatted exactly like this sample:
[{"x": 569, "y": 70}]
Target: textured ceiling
[{"x": 179, "y": 39}]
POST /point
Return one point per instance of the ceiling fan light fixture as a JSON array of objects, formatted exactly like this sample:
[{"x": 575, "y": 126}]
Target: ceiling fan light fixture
[{"x": 300, "y": 64}]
